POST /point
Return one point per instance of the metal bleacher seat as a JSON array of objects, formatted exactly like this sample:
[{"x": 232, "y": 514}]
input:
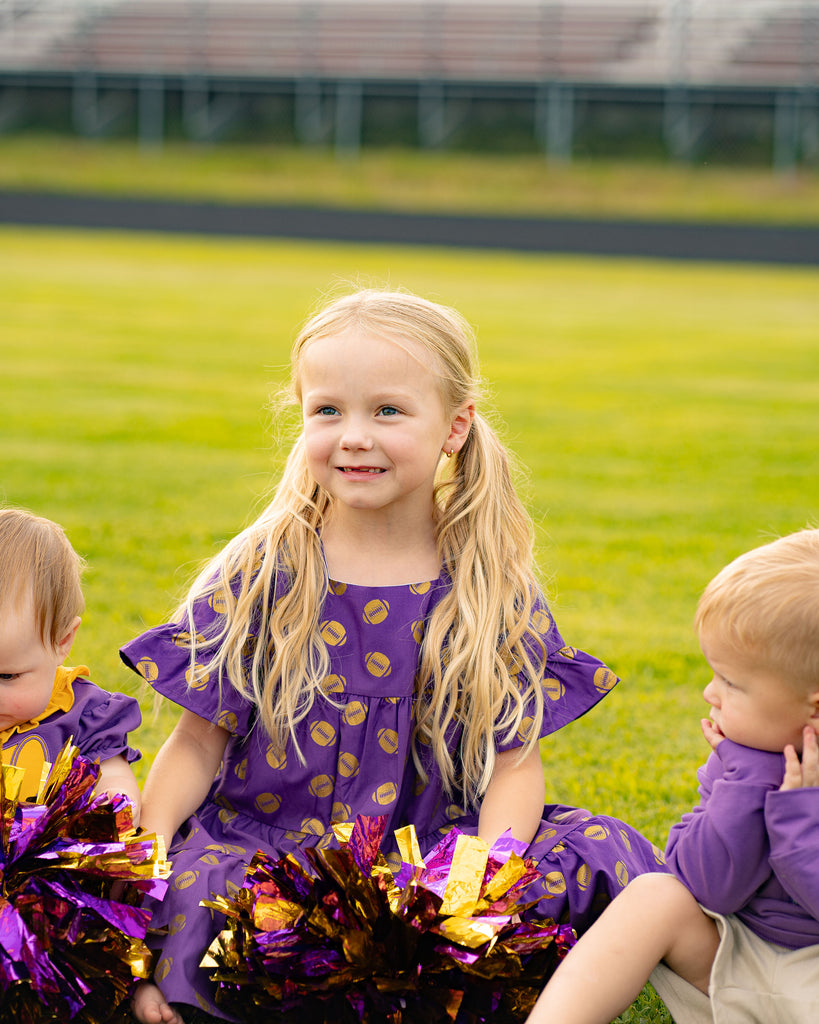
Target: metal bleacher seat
[
  {"x": 372, "y": 39},
  {"x": 547, "y": 53}
]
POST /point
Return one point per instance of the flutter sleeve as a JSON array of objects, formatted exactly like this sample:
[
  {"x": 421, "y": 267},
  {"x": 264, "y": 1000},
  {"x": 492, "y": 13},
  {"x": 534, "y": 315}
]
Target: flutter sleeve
[
  {"x": 572, "y": 683},
  {"x": 162, "y": 656},
  {"x": 100, "y": 722}
]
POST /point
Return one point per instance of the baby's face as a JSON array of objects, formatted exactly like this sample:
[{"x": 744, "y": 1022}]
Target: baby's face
[
  {"x": 27, "y": 667},
  {"x": 750, "y": 704}
]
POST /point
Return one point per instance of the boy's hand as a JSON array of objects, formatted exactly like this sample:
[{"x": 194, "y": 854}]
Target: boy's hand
[
  {"x": 799, "y": 775},
  {"x": 711, "y": 733}
]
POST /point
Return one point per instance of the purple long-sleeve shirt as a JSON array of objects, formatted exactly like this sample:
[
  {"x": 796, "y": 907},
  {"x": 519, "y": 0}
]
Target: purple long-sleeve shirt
[{"x": 750, "y": 849}]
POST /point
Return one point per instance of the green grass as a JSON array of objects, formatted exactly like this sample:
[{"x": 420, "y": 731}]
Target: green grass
[
  {"x": 665, "y": 414},
  {"x": 412, "y": 180}
]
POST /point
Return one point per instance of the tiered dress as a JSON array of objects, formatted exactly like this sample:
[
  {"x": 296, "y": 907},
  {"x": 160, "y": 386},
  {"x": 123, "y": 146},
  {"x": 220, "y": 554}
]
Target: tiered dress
[{"x": 357, "y": 759}]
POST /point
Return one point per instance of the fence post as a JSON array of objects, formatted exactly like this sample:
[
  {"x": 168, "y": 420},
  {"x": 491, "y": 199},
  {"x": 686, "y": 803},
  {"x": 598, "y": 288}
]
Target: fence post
[
  {"x": 349, "y": 104},
  {"x": 786, "y": 132},
  {"x": 92, "y": 113},
  {"x": 431, "y": 115},
  {"x": 308, "y": 112},
  {"x": 151, "y": 112},
  {"x": 554, "y": 105}
]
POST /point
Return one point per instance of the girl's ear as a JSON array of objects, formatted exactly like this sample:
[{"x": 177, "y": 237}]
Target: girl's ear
[
  {"x": 460, "y": 426},
  {"x": 63, "y": 648}
]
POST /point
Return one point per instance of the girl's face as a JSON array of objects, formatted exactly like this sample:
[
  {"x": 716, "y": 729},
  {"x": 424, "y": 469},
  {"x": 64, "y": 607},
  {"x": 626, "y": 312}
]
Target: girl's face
[
  {"x": 27, "y": 666},
  {"x": 752, "y": 705},
  {"x": 375, "y": 424}
]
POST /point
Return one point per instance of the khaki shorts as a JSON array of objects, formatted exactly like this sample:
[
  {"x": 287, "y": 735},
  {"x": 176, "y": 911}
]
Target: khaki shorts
[{"x": 752, "y": 982}]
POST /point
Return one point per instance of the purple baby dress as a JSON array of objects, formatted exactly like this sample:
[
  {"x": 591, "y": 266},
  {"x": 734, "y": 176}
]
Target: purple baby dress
[
  {"x": 97, "y": 723},
  {"x": 356, "y": 746}
]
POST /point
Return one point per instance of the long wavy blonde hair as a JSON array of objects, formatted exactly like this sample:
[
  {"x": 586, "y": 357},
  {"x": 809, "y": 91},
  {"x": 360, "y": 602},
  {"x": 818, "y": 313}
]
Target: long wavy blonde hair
[{"x": 481, "y": 661}]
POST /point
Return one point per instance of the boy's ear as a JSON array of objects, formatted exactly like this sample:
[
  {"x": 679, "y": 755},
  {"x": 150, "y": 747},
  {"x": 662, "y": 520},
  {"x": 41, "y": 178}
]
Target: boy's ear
[
  {"x": 64, "y": 646},
  {"x": 814, "y": 702}
]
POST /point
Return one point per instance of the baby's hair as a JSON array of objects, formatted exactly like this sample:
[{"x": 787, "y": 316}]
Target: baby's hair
[
  {"x": 39, "y": 563},
  {"x": 766, "y": 602},
  {"x": 481, "y": 660}
]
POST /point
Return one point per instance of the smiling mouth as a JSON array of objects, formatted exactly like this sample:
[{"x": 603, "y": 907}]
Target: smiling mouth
[{"x": 374, "y": 470}]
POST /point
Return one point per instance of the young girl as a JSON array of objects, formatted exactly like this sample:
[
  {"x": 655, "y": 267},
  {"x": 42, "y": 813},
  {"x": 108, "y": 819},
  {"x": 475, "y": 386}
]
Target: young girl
[
  {"x": 43, "y": 703},
  {"x": 375, "y": 643}
]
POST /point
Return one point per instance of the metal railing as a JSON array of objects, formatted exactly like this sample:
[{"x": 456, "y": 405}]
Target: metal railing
[{"x": 691, "y": 52}]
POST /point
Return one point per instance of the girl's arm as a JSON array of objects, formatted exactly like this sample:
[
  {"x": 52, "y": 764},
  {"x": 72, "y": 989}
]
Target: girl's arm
[
  {"x": 116, "y": 776},
  {"x": 514, "y": 797},
  {"x": 182, "y": 773}
]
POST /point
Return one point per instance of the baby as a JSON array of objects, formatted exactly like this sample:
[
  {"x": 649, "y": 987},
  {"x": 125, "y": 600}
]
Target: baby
[
  {"x": 733, "y": 932},
  {"x": 42, "y": 703}
]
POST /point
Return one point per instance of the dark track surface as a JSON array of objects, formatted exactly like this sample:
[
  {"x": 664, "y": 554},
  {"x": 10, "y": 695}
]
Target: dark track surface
[{"x": 756, "y": 243}]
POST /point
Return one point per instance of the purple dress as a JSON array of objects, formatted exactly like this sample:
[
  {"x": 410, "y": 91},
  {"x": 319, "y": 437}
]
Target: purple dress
[
  {"x": 356, "y": 744},
  {"x": 97, "y": 722}
]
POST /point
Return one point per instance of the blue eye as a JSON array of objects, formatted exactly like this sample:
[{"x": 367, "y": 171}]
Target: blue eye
[
  {"x": 326, "y": 410},
  {"x": 388, "y": 410}
]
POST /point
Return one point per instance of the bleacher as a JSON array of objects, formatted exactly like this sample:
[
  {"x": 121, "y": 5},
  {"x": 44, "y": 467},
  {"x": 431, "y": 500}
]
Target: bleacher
[
  {"x": 781, "y": 49},
  {"x": 560, "y": 49},
  {"x": 624, "y": 41},
  {"x": 371, "y": 39}
]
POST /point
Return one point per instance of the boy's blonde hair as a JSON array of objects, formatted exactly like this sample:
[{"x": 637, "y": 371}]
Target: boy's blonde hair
[
  {"x": 766, "y": 602},
  {"x": 37, "y": 561},
  {"x": 479, "y": 636}
]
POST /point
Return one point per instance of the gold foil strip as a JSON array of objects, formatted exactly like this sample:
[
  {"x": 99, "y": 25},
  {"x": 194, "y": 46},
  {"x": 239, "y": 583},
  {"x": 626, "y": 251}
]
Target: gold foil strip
[
  {"x": 140, "y": 959},
  {"x": 382, "y": 870},
  {"x": 343, "y": 830},
  {"x": 407, "y": 840},
  {"x": 469, "y": 931},
  {"x": 274, "y": 914},
  {"x": 463, "y": 889},
  {"x": 43, "y": 781},
  {"x": 13, "y": 776},
  {"x": 513, "y": 870}
]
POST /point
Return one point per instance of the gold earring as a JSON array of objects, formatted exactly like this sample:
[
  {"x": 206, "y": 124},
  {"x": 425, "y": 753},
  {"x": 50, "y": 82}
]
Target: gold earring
[{"x": 449, "y": 453}]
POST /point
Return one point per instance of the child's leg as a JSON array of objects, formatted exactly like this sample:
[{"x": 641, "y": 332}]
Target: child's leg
[
  {"x": 149, "y": 1006},
  {"x": 654, "y": 918}
]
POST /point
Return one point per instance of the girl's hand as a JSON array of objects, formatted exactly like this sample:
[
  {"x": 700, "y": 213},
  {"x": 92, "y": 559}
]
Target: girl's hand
[
  {"x": 711, "y": 733},
  {"x": 804, "y": 773}
]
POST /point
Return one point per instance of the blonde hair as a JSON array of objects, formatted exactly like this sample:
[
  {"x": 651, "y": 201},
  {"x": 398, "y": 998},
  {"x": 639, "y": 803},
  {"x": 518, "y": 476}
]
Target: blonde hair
[
  {"x": 39, "y": 563},
  {"x": 479, "y": 637},
  {"x": 766, "y": 602}
]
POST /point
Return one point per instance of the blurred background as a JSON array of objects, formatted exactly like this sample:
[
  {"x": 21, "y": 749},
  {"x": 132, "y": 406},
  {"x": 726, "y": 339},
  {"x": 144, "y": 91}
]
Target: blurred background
[
  {"x": 685, "y": 80},
  {"x": 664, "y": 410}
]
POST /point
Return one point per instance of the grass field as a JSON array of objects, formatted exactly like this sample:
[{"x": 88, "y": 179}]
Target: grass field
[
  {"x": 413, "y": 180},
  {"x": 665, "y": 415}
]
